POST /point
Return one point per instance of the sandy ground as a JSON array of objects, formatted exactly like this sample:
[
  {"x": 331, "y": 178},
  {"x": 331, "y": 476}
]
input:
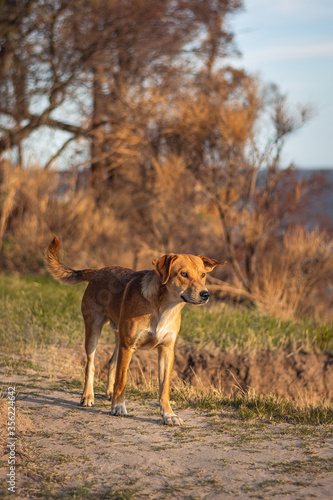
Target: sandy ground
[{"x": 66, "y": 451}]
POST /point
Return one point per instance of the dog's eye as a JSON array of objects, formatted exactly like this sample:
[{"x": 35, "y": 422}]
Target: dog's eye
[
  {"x": 185, "y": 275},
  {"x": 203, "y": 275}
]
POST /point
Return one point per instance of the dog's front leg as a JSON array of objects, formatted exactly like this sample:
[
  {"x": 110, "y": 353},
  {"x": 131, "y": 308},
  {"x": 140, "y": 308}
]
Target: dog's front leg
[
  {"x": 165, "y": 364},
  {"x": 118, "y": 399}
]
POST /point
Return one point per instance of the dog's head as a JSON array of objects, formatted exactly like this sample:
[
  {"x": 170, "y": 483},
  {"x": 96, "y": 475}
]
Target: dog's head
[{"x": 185, "y": 276}]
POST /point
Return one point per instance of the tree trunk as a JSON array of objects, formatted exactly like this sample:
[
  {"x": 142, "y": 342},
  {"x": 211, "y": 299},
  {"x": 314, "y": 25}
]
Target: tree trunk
[{"x": 98, "y": 163}]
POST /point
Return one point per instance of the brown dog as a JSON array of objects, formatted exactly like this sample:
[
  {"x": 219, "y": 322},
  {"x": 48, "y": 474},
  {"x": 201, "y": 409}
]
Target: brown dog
[{"x": 144, "y": 308}]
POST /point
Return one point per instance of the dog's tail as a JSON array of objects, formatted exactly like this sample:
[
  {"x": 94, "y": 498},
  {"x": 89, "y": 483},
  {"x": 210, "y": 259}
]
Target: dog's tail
[{"x": 61, "y": 272}]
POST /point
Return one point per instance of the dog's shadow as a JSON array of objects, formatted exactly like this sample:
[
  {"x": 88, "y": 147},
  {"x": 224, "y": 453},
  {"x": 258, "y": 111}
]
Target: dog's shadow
[{"x": 69, "y": 404}]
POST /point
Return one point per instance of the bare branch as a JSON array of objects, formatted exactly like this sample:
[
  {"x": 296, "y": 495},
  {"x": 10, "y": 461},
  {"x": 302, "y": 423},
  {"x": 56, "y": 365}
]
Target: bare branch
[{"x": 57, "y": 154}]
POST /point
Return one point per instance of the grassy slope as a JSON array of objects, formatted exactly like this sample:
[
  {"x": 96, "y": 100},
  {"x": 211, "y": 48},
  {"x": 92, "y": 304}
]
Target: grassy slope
[
  {"x": 38, "y": 313},
  {"x": 41, "y": 311}
]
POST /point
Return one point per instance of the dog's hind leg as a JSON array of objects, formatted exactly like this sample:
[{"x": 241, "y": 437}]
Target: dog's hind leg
[
  {"x": 93, "y": 332},
  {"x": 112, "y": 368}
]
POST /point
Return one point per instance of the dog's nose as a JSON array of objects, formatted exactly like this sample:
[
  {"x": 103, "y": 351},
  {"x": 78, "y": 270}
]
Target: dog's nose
[{"x": 204, "y": 294}]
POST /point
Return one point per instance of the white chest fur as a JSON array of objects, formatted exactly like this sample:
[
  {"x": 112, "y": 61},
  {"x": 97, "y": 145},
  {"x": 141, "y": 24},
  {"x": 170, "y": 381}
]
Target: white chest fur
[
  {"x": 166, "y": 324},
  {"x": 163, "y": 328}
]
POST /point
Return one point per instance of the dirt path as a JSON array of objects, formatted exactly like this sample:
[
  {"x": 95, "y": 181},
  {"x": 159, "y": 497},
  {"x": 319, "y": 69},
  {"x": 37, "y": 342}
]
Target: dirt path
[{"x": 71, "y": 452}]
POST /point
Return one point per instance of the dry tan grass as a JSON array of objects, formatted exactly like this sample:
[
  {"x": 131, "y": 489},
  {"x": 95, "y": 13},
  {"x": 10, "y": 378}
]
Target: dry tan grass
[
  {"x": 291, "y": 276},
  {"x": 34, "y": 204},
  {"x": 293, "y": 280}
]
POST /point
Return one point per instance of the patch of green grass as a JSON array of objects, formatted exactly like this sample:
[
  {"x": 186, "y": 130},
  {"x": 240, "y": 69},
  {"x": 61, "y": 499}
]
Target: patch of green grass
[
  {"x": 243, "y": 433},
  {"x": 277, "y": 409},
  {"x": 264, "y": 485},
  {"x": 61, "y": 458},
  {"x": 247, "y": 406},
  {"x": 123, "y": 494},
  {"x": 47, "y": 492},
  {"x": 65, "y": 384},
  {"x": 142, "y": 394},
  {"x": 164, "y": 447},
  {"x": 20, "y": 366},
  {"x": 36, "y": 311},
  {"x": 246, "y": 329},
  {"x": 309, "y": 432},
  {"x": 251, "y": 406},
  {"x": 80, "y": 492},
  {"x": 314, "y": 465}
]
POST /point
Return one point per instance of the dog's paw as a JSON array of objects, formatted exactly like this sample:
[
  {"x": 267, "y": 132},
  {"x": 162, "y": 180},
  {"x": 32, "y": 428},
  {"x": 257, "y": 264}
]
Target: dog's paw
[
  {"x": 87, "y": 400},
  {"x": 119, "y": 410},
  {"x": 172, "y": 419}
]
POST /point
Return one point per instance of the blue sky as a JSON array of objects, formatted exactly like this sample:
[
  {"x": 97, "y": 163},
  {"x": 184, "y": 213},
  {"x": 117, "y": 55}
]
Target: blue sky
[{"x": 290, "y": 43}]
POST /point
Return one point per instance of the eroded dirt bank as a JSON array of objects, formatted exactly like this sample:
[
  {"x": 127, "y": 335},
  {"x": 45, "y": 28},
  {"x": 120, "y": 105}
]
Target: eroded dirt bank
[{"x": 301, "y": 375}]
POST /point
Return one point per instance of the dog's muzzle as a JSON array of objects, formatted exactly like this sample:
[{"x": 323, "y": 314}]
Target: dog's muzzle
[{"x": 204, "y": 295}]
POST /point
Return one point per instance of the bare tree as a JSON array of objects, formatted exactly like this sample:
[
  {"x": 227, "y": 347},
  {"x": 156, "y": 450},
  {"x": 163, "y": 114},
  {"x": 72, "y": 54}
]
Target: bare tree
[
  {"x": 177, "y": 156},
  {"x": 95, "y": 55}
]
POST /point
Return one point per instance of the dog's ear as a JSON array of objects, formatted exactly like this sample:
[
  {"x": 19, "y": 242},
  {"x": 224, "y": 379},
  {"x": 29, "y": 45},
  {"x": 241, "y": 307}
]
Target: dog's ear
[
  {"x": 211, "y": 263},
  {"x": 163, "y": 266}
]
